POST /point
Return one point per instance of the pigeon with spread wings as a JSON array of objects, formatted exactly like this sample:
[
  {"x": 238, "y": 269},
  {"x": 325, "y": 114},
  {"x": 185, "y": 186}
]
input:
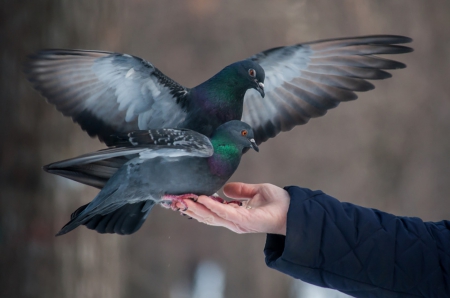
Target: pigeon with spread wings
[{"x": 273, "y": 91}]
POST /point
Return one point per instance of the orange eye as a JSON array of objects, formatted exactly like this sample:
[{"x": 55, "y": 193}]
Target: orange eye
[
  {"x": 252, "y": 72},
  {"x": 244, "y": 132}
]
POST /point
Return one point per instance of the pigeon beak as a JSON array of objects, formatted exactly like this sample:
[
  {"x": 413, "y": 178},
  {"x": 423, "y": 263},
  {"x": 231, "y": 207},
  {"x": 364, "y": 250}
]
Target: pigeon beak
[
  {"x": 260, "y": 88},
  {"x": 254, "y": 146}
]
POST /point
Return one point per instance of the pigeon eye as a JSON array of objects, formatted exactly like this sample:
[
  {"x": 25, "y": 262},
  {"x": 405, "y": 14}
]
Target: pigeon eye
[
  {"x": 244, "y": 132},
  {"x": 252, "y": 72}
]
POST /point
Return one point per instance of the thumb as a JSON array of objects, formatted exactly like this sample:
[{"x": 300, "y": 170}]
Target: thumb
[{"x": 239, "y": 190}]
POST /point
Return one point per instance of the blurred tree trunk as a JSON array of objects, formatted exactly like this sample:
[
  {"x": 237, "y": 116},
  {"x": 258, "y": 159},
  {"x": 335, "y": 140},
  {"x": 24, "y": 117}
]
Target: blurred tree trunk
[{"x": 34, "y": 205}]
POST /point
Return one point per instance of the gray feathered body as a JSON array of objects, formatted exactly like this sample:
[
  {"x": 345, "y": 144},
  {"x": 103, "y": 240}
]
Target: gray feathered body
[
  {"x": 166, "y": 162},
  {"x": 150, "y": 179},
  {"x": 146, "y": 181}
]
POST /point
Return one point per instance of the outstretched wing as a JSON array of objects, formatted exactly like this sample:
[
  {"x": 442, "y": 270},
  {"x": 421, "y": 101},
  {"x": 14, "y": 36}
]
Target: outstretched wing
[
  {"x": 305, "y": 80},
  {"x": 107, "y": 93},
  {"x": 96, "y": 168}
]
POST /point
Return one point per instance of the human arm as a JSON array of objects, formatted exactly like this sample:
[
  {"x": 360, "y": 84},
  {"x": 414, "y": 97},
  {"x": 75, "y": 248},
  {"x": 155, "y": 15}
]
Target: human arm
[{"x": 360, "y": 251}]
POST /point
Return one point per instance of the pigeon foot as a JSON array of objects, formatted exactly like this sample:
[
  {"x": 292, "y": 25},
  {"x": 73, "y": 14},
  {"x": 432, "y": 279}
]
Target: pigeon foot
[
  {"x": 217, "y": 199},
  {"x": 174, "y": 201}
]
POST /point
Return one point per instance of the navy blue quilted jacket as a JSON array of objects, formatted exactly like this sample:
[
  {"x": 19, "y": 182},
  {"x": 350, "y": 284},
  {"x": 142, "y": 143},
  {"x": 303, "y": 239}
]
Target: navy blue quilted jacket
[{"x": 361, "y": 251}]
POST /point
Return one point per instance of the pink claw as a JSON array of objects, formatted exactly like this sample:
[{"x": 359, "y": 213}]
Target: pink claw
[
  {"x": 172, "y": 201},
  {"x": 234, "y": 202},
  {"x": 217, "y": 199}
]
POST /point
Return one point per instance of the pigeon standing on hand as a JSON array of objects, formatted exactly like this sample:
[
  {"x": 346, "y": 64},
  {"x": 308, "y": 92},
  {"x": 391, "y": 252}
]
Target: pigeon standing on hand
[
  {"x": 110, "y": 93},
  {"x": 163, "y": 166}
]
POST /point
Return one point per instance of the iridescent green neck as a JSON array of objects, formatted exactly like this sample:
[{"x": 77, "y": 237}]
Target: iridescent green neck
[
  {"x": 227, "y": 85},
  {"x": 222, "y": 96},
  {"x": 226, "y": 157}
]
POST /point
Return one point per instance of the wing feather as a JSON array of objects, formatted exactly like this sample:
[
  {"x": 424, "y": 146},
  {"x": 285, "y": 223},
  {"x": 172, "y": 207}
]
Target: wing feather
[
  {"x": 107, "y": 93},
  {"x": 96, "y": 168},
  {"x": 306, "y": 80},
  {"x": 340, "y": 82}
]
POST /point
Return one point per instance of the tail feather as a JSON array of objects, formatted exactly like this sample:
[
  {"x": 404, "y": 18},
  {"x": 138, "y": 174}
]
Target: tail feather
[
  {"x": 78, "y": 211},
  {"x": 71, "y": 225},
  {"x": 95, "y": 173}
]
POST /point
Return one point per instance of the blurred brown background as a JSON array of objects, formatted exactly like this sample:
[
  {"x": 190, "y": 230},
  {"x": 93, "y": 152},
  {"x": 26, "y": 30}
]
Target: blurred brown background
[{"x": 387, "y": 150}]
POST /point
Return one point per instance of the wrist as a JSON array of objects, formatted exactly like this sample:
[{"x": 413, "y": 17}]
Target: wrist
[
  {"x": 279, "y": 228},
  {"x": 282, "y": 229}
]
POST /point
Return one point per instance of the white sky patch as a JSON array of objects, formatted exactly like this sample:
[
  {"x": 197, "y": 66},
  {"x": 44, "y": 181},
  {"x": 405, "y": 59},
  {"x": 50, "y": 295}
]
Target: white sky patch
[
  {"x": 209, "y": 281},
  {"x": 300, "y": 289}
]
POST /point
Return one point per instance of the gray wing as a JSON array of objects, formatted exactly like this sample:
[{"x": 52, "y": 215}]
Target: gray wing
[
  {"x": 96, "y": 168},
  {"x": 123, "y": 220},
  {"x": 107, "y": 93},
  {"x": 305, "y": 80}
]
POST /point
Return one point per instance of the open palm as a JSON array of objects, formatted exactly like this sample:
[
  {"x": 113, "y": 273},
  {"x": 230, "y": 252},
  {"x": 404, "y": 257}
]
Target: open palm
[{"x": 264, "y": 209}]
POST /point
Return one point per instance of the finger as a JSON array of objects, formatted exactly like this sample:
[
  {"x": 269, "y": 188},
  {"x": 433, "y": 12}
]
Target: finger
[
  {"x": 224, "y": 211},
  {"x": 240, "y": 191},
  {"x": 200, "y": 209},
  {"x": 203, "y": 215},
  {"x": 190, "y": 205}
]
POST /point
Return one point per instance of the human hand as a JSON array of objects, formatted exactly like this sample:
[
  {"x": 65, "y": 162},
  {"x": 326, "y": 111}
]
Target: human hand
[{"x": 264, "y": 209}]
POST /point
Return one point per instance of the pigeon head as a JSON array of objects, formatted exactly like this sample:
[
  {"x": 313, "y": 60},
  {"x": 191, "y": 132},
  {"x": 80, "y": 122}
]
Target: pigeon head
[
  {"x": 237, "y": 132},
  {"x": 221, "y": 98},
  {"x": 252, "y": 74}
]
